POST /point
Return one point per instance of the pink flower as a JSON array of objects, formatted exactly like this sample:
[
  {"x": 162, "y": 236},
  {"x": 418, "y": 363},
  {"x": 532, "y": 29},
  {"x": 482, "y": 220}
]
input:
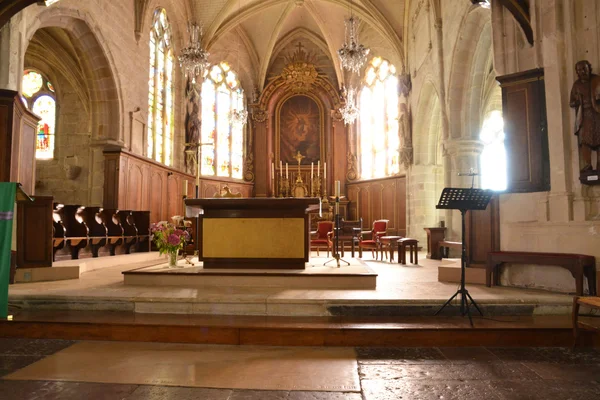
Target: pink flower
[{"x": 173, "y": 239}]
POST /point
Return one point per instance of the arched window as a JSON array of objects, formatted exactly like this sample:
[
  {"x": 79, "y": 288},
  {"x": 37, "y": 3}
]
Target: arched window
[
  {"x": 493, "y": 156},
  {"x": 222, "y": 142},
  {"x": 378, "y": 140},
  {"x": 39, "y": 97},
  {"x": 160, "y": 90}
]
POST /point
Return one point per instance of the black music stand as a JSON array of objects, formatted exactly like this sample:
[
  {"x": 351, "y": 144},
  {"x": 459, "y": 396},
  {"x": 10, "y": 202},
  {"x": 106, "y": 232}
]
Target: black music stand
[{"x": 463, "y": 200}]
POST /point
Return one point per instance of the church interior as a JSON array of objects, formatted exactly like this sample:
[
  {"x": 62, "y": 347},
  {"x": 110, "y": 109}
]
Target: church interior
[{"x": 327, "y": 178}]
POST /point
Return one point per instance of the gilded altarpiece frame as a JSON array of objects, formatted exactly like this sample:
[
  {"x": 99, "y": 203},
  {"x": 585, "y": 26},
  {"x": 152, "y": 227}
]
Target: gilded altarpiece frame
[{"x": 299, "y": 127}]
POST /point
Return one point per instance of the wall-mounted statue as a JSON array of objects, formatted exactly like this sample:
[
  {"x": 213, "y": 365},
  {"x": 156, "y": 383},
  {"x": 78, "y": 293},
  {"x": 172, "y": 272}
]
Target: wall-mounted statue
[{"x": 585, "y": 98}]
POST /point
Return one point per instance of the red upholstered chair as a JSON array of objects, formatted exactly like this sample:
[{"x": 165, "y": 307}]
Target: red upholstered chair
[
  {"x": 323, "y": 236},
  {"x": 379, "y": 229}
]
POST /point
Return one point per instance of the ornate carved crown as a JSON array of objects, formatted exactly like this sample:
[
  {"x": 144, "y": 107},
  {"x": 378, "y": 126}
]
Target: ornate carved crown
[{"x": 300, "y": 72}]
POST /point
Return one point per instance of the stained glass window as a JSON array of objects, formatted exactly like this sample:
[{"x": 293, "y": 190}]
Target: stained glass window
[
  {"x": 39, "y": 97},
  {"x": 160, "y": 91},
  {"x": 223, "y": 142},
  {"x": 378, "y": 139}
]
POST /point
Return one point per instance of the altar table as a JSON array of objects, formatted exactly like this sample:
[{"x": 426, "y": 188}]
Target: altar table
[{"x": 252, "y": 233}]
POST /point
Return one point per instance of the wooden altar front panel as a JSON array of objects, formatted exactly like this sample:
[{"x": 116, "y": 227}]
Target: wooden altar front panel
[{"x": 252, "y": 233}]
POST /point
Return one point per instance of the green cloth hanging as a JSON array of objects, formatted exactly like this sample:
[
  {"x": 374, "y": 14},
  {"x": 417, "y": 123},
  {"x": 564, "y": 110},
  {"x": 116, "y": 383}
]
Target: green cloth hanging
[{"x": 7, "y": 205}]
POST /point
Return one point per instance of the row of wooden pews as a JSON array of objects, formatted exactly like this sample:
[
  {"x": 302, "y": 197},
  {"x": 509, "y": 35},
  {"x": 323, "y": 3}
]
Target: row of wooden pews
[{"x": 77, "y": 228}]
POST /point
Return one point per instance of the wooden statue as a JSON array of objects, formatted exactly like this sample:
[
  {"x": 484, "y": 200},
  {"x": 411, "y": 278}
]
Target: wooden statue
[{"x": 585, "y": 98}]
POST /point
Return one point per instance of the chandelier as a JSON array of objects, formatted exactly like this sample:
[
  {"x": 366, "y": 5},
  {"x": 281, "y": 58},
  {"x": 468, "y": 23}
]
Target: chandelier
[
  {"x": 194, "y": 59},
  {"x": 352, "y": 54},
  {"x": 350, "y": 110}
]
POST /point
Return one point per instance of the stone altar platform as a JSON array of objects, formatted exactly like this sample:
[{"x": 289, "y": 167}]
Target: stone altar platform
[{"x": 356, "y": 276}]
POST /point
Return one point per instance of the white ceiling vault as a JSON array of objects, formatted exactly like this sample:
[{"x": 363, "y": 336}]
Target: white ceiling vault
[{"x": 265, "y": 31}]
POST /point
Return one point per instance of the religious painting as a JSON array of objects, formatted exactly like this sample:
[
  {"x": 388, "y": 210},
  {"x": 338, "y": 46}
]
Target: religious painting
[{"x": 299, "y": 130}]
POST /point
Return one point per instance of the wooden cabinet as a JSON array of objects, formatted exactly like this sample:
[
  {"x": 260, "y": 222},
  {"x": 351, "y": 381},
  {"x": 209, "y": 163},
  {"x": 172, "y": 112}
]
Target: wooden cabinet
[{"x": 524, "y": 114}]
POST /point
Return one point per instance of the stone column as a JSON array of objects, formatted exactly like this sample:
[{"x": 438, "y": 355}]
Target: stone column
[{"x": 13, "y": 51}]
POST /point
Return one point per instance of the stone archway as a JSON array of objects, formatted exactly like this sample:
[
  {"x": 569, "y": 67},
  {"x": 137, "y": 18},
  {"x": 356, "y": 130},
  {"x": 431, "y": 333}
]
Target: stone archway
[
  {"x": 89, "y": 72},
  {"x": 97, "y": 67}
]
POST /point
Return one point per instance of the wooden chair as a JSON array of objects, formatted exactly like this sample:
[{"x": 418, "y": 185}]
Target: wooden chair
[
  {"x": 379, "y": 229},
  {"x": 324, "y": 233}
]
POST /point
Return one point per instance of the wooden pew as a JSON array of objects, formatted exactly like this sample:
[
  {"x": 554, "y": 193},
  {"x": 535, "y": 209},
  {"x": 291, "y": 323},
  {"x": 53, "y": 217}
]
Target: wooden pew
[
  {"x": 76, "y": 232},
  {"x": 142, "y": 224},
  {"x": 130, "y": 234},
  {"x": 579, "y": 265},
  {"x": 446, "y": 245},
  {"x": 97, "y": 232},
  {"x": 59, "y": 233},
  {"x": 114, "y": 229}
]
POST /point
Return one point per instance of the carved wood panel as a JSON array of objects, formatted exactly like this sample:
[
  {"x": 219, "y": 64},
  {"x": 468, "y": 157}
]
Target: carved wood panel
[
  {"x": 379, "y": 199},
  {"x": 483, "y": 232},
  {"x": 136, "y": 183}
]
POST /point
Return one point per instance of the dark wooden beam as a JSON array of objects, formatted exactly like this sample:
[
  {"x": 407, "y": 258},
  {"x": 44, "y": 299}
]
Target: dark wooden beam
[{"x": 520, "y": 10}]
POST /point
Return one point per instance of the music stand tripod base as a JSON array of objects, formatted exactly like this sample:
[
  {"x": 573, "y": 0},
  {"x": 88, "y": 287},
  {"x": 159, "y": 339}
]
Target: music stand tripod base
[
  {"x": 336, "y": 229},
  {"x": 464, "y": 200}
]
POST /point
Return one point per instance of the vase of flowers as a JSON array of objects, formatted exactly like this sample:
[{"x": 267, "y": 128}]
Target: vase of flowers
[{"x": 169, "y": 239}]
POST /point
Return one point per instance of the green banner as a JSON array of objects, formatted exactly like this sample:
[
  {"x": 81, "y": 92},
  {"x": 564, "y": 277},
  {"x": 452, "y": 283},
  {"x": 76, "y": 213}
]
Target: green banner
[{"x": 7, "y": 205}]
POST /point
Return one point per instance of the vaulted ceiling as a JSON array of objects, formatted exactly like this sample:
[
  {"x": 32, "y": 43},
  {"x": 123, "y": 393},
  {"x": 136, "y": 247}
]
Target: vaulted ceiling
[{"x": 266, "y": 30}]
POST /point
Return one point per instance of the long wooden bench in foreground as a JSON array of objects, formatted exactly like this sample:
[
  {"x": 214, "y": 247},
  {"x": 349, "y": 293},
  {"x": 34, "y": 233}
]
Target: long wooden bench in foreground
[{"x": 580, "y": 266}]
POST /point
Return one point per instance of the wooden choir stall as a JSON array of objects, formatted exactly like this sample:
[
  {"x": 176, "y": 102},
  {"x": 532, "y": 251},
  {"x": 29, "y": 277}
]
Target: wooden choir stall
[{"x": 252, "y": 233}]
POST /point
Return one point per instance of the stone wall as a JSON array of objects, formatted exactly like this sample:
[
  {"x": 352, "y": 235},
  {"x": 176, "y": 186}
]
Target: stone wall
[{"x": 567, "y": 218}]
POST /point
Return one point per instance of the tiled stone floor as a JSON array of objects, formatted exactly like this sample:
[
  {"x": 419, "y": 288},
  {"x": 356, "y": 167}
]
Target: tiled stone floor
[{"x": 385, "y": 373}]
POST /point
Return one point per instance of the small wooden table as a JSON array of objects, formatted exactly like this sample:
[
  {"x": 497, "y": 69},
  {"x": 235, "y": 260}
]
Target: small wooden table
[{"x": 390, "y": 242}]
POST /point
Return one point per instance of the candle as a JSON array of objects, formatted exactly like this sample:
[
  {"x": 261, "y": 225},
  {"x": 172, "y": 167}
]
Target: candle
[
  {"x": 272, "y": 170},
  {"x": 185, "y": 188},
  {"x": 325, "y": 170},
  {"x": 312, "y": 164},
  {"x": 337, "y": 188},
  {"x": 280, "y": 169},
  {"x": 286, "y": 170},
  {"x": 318, "y": 168}
]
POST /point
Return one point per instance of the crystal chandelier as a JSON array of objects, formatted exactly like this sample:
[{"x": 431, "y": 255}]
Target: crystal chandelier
[
  {"x": 194, "y": 59},
  {"x": 352, "y": 54},
  {"x": 350, "y": 110}
]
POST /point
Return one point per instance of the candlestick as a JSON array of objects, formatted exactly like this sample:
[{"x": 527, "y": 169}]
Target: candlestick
[
  {"x": 337, "y": 188},
  {"x": 286, "y": 171}
]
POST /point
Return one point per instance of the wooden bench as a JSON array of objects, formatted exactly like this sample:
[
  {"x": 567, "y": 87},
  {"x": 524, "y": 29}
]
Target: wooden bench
[
  {"x": 579, "y": 265},
  {"x": 446, "y": 245},
  {"x": 592, "y": 302}
]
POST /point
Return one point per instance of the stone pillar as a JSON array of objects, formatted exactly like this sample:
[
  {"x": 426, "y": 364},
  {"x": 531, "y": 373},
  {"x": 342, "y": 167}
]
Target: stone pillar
[
  {"x": 13, "y": 51},
  {"x": 459, "y": 157}
]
